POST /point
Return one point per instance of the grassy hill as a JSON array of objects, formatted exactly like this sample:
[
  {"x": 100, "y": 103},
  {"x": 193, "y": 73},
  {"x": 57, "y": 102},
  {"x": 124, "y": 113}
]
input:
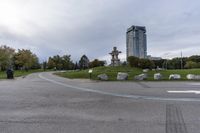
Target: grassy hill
[{"x": 112, "y": 73}]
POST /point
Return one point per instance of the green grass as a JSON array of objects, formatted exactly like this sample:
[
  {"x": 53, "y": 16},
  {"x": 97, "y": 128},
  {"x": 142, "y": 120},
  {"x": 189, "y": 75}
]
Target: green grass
[
  {"x": 19, "y": 73},
  {"x": 112, "y": 73}
]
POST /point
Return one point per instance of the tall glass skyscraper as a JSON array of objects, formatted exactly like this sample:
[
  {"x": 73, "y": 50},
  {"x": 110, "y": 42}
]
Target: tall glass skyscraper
[{"x": 136, "y": 42}]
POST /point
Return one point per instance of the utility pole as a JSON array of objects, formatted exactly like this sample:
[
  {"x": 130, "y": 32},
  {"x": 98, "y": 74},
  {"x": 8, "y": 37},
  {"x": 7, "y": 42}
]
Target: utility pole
[{"x": 181, "y": 60}]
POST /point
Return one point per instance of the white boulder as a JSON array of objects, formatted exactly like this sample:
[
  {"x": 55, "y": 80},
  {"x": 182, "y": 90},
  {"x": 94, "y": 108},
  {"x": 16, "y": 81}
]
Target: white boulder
[
  {"x": 197, "y": 77},
  {"x": 145, "y": 70},
  {"x": 102, "y": 77},
  {"x": 141, "y": 77},
  {"x": 193, "y": 77},
  {"x": 174, "y": 76},
  {"x": 122, "y": 76},
  {"x": 157, "y": 76}
]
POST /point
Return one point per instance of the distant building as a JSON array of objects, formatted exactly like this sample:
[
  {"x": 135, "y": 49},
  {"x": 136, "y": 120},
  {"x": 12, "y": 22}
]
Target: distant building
[
  {"x": 153, "y": 58},
  {"x": 136, "y": 42}
]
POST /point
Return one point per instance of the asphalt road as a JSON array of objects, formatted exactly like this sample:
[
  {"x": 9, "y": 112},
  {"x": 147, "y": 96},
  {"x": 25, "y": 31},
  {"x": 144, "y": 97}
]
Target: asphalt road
[{"x": 44, "y": 103}]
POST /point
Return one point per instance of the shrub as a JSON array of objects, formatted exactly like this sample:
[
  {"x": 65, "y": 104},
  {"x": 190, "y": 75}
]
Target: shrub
[{"x": 133, "y": 61}]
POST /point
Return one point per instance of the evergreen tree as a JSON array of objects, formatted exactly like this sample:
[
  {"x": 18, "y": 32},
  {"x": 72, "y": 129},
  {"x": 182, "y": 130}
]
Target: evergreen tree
[{"x": 84, "y": 62}]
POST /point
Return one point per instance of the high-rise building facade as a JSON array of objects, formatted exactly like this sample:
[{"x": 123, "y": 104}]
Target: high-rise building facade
[{"x": 136, "y": 42}]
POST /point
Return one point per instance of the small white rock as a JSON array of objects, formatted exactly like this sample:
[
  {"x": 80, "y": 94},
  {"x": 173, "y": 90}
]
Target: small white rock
[
  {"x": 174, "y": 76},
  {"x": 122, "y": 76},
  {"x": 103, "y": 77},
  {"x": 157, "y": 76}
]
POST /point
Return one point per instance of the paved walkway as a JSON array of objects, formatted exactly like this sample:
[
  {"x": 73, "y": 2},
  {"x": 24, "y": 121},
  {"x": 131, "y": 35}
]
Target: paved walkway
[{"x": 45, "y": 103}]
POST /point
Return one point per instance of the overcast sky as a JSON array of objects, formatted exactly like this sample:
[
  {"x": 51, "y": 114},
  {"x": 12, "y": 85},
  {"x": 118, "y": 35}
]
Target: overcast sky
[{"x": 93, "y": 27}]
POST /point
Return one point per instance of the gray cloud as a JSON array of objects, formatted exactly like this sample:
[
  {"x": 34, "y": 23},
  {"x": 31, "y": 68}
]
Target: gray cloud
[{"x": 93, "y": 27}]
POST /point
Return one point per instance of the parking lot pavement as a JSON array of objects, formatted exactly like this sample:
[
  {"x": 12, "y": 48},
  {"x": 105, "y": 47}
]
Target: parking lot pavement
[{"x": 44, "y": 103}]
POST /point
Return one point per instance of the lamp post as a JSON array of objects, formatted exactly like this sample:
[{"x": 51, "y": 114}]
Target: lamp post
[
  {"x": 166, "y": 64},
  {"x": 181, "y": 60}
]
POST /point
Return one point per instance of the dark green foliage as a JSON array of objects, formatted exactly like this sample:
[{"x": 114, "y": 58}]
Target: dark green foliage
[
  {"x": 124, "y": 63},
  {"x": 6, "y": 57},
  {"x": 194, "y": 58},
  {"x": 67, "y": 64},
  {"x": 175, "y": 63},
  {"x": 133, "y": 61},
  {"x": 84, "y": 62},
  {"x": 51, "y": 64},
  {"x": 140, "y": 63},
  {"x": 191, "y": 64},
  {"x": 146, "y": 63},
  {"x": 96, "y": 63},
  {"x": 159, "y": 63},
  {"x": 60, "y": 63},
  {"x": 76, "y": 66},
  {"x": 44, "y": 65},
  {"x": 25, "y": 59}
]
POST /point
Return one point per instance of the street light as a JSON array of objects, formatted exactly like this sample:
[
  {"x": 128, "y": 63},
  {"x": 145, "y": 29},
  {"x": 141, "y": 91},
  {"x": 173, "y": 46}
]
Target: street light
[{"x": 181, "y": 60}]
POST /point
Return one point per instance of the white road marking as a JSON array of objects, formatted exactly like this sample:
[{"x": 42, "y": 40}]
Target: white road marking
[
  {"x": 120, "y": 95},
  {"x": 185, "y": 92},
  {"x": 196, "y": 84}
]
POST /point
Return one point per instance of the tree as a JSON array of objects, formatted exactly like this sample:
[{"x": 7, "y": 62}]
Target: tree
[
  {"x": 84, "y": 62},
  {"x": 124, "y": 63},
  {"x": 160, "y": 63},
  {"x": 76, "y": 66},
  {"x": 194, "y": 58},
  {"x": 133, "y": 61},
  {"x": 25, "y": 59},
  {"x": 67, "y": 64},
  {"x": 140, "y": 63},
  {"x": 51, "y": 63},
  {"x": 146, "y": 63},
  {"x": 191, "y": 64},
  {"x": 60, "y": 63},
  {"x": 6, "y": 57},
  {"x": 44, "y": 65},
  {"x": 36, "y": 64},
  {"x": 55, "y": 62},
  {"x": 175, "y": 63},
  {"x": 96, "y": 63}
]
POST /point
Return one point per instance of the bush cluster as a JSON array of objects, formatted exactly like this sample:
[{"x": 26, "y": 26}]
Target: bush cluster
[{"x": 140, "y": 63}]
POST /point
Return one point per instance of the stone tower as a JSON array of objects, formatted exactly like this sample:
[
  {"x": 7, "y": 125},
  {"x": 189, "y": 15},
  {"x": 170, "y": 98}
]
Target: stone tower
[{"x": 115, "y": 61}]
